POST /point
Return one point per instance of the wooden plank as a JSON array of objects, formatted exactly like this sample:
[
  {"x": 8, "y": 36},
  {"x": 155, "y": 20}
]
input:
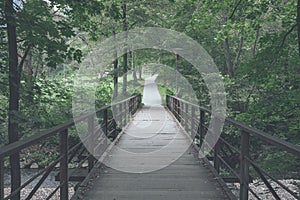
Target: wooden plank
[{"x": 183, "y": 176}]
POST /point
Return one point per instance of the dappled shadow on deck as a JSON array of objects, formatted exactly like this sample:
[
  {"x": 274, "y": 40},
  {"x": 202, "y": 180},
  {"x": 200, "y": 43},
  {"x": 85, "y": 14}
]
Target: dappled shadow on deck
[{"x": 153, "y": 159}]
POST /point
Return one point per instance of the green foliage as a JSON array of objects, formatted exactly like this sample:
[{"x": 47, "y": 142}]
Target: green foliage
[
  {"x": 262, "y": 49},
  {"x": 163, "y": 91},
  {"x": 280, "y": 163},
  {"x": 103, "y": 92},
  {"x": 51, "y": 103},
  {"x": 39, "y": 30},
  {"x": 263, "y": 90},
  {"x": 3, "y": 119}
]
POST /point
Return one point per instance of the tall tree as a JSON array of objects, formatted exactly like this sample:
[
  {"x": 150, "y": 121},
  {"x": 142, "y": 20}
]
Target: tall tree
[
  {"x": 134, "y": 76},
  {"x": 44, "y": 27},
  {"x": 14, "y": 85},
  {"x": 125, "y": 54},
  {"x": 115, "y": 63},
  {"x": 298, "y": 24}
]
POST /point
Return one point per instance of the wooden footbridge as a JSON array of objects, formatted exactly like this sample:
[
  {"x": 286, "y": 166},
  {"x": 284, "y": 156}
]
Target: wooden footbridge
[{"x": 152, "y": 152}]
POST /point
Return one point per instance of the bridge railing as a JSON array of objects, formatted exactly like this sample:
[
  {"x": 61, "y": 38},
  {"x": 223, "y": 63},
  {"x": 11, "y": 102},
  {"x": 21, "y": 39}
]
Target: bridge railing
[
  {"x": 106, "y": 116},
  {"x": 233, "y": 154}
]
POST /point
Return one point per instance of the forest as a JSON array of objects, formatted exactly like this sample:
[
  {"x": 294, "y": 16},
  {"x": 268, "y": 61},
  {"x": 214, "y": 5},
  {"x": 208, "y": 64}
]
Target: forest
[{"x": 254, "y": 43}]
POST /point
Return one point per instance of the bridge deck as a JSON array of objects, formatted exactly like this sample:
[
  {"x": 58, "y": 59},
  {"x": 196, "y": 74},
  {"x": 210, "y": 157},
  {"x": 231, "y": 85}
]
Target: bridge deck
[{"x": 153, "y": 159}]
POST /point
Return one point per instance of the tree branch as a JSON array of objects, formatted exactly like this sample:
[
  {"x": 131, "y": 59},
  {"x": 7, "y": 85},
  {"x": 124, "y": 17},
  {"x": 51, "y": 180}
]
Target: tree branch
[
  {"x": 255, "y": 42},
  {"x": 285, "y": 36},
  {"x": 239, "y": 52},
  {"x": 24, "y": 57},
  {"x": 235, "y": 8}
]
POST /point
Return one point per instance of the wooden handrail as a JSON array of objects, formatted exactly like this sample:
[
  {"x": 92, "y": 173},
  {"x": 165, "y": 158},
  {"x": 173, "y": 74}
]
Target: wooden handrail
[
  {"x": 22, "y": 144},
  {"x": 291, "y": 148},
  {"x": 62, "y": 130},
  {"x": 185, "y": 112}
]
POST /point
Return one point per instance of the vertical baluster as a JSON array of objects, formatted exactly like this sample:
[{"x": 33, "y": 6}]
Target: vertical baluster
[
  {"x": 1, "y": 178},
  {"x": 167, "y": 101},
  {"x": 120, "y": 115},
  {"x": 105, "y": 122},
  {"x": 244, "y": 165},
  {"x": 174, "y": 107},
  {"x": 91, "y": 139},
  {"x": 178, "y": 110},
  {"x": 139, "y": 101},
  {"x": 114, "y": 125},
  {"x": 182, "y": 118},
  {"x": 63, "y": 145},
  {"x": 202, "y": 128},
  {"x": 125, "y": 112},
  {"x": 134, "y": 104},
  {"x": 193, "y": 122},
  {"x": 131, "y": 105},
  {"x": 186, "y": 120}
]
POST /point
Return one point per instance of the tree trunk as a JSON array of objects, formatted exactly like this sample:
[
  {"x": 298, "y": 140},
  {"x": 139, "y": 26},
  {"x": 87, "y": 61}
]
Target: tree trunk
[
  {"x": 125, "y": 55},
  {"x": 140, "y": 72},
  {"x": 255, "y": 42},
  {"x": 133, "y": 67},
  {"x": 14, "y": 84},
  {"x": 116, "y": 74},
  {"x": 298, "y": 25},
  {"x": 29, "y": 76},
  {"x": 238, "y": 54},
  {"x": 228, "y": 58}
]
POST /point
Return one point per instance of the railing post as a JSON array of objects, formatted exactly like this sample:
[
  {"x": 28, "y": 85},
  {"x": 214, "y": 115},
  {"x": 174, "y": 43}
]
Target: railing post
[
  {"x": 201, "y": 123},
  {"x": 105, "y": 121},
  {"x": 175, "y": 107},
  {"x": 131, "y": 105},
  {"x": 193, "y": 123},
  {"x": 91, "y": 140},
  {"x": 178, "y": 110},
  {"x": 15, "y": 174},
  {"x": 139, "y": 101},
  {"x": 216, "y": 159},
  {"x": 182, "y": 105},
  {"x": 172, "y": 104},
  {"x": 125, "y": 113},
  {"x": 121, "y": 115},
  {"x": 186, "y": 117},
  {"x": 134, "y": 104},
  {"x": 114, "y": 125},
  {"x": 244, "y": 165},
  {"x": 1, "y": 178},
  {"x": 63, "y": 146},
  {"x": 167, "y": 101}
]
